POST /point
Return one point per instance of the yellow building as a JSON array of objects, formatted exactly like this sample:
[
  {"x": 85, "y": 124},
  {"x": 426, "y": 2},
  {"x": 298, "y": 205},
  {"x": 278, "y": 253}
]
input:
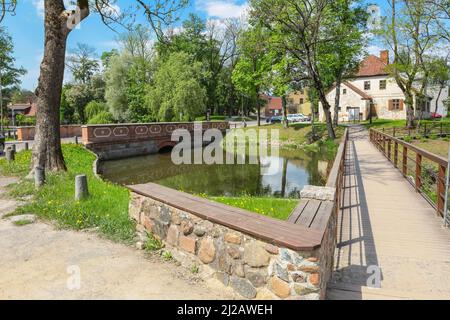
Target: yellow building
[{"x": 298, "y": 102}]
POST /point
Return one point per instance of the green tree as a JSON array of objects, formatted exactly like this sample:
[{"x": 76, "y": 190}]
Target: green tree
[
  {"x": 304, "y": 31},
  {"x": 339, "y": 60},
  {"x": 439, "y": 75},
  {"x": 104, "y": 117},
  {"x": 82, "y": 63},
  {"x": 254, "y": 64},
  {"x": 176, "y": 93},
  {"x": 93, "y": 108},
  {"x": 9, "y": 73},
  {"x": 116, "y": 77},
  {"x": 106, "y": 57},
  {"x": 409, "y": 31},
  {"x": 67, "y": 112},
  {"x": 59, "y": 23},
  {"x": 78, "y": 96}
]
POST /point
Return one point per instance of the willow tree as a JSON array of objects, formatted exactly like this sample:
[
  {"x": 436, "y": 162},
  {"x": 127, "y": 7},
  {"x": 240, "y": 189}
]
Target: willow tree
[{"x": 59, "y": 22}]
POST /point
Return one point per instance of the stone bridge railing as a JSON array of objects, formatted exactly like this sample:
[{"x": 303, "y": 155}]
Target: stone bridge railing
[{"x": 115, "y": 141}]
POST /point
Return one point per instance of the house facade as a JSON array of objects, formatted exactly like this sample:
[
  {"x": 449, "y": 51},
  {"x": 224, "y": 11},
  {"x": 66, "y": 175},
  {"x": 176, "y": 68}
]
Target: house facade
[
  {"x": 298, "y": 102},
  {"x": 273, "y": 106},
  {"x": 373, "y": 91}
]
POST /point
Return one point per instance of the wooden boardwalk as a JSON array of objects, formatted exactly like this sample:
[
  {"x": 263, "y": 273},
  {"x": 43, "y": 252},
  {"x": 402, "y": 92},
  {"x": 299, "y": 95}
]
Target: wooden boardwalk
[{"x": 385, "y": 224}]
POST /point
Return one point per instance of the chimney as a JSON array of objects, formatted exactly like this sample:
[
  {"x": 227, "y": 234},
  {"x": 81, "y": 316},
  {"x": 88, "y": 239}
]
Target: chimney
[{"x": 384, "y": 56}]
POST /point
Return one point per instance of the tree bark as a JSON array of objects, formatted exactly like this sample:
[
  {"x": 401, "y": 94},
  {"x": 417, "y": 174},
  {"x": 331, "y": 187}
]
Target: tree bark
[
  {"x": 258, "y": 107},
  {"x": 337, "y": 102},
  {"x": 47, "y": 152},
  {"x": 285, "y": 119},
  {"x": 326, "y": 109},
  {"x": 437, "y": 100},
  {"x": 409, "y": 103}
]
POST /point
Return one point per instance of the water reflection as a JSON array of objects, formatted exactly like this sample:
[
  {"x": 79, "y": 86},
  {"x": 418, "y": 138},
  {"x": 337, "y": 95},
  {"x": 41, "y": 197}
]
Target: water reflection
[{"x": 297, "y": 169}]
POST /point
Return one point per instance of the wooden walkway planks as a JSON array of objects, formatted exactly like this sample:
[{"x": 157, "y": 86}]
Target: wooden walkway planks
[{"x": 385, "y": 223}]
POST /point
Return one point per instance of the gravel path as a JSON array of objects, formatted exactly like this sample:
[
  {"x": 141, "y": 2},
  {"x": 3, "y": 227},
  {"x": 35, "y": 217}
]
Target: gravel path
[{"x": 40, "y": 262}]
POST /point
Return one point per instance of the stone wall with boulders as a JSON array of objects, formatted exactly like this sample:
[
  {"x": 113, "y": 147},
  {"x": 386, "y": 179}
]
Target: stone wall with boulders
[{"x": 255, "y": 269}]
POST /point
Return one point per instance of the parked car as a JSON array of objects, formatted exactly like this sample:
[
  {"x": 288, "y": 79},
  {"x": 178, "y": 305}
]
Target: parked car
[
  {"x": 295, "y": 118},
  {"x": 435, "y": 115},
  {"x": 2, "y": 143},
  {"x": 277, "y": 119}
]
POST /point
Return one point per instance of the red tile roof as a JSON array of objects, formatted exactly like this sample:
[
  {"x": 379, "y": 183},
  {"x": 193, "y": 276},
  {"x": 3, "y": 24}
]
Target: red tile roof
[
  {"x": 372, "y": 66},
  {"x": 273, "y": 103},
  {"x": 32, "y": 111},
  {"x": 363, "y": 95}
]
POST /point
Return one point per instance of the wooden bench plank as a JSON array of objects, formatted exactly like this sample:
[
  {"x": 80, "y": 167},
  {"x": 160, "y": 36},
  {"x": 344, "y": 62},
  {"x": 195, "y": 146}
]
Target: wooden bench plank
[
  {"x": 323, "y": 215},
  {"x": 309, "y": 213},
  {"x": 297, "y": 211},
  {"x": 283, "y": 233}
]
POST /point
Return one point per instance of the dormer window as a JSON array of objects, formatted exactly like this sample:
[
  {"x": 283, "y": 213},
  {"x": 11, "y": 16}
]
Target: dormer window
[{"x": 366, "y": 85}]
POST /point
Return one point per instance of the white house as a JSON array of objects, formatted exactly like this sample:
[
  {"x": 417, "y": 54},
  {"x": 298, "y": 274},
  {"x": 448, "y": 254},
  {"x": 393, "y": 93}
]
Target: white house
[{"x": 373, "y": 88}]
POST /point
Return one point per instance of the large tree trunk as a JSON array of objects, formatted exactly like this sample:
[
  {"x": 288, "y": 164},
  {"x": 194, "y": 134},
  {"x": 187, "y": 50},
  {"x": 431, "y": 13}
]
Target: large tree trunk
[
  {"x": 258, "y": 107},
  {"x": 326, "y": 109},
  {"x": 285, "y": 119},
  {"x": 409, "y": 102},
  {"x": 437, "y": 100},
  {"x": 337, "y": 102},
  {"x": 47, "y": 152}
]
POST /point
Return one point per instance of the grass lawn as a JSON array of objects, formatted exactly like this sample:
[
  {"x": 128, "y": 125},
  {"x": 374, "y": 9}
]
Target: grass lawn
[
  {"x": 298, "y": 135},
  {"x": 272, "y": 207},
  {"x": 106, "y": 209},
  {"x": 384, "y": 123},
  {"x": 436, "y": 146}
]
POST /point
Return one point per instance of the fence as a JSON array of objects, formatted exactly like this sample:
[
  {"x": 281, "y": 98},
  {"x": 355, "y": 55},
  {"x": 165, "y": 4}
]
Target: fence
[
  {"x": 424, "y": 170},
  {"x": 426, "y": 129}
]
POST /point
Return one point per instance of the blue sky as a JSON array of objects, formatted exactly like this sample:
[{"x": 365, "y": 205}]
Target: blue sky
[{"x": 27, "y": 30}]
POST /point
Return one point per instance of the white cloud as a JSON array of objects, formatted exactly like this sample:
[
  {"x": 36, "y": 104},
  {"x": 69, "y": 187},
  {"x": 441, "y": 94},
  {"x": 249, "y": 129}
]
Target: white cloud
[
  {"x": 39, "y": 6},
  {"x": 222, "y": 9}
]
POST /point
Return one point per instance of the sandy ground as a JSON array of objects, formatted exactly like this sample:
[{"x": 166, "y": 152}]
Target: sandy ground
[{"x": 39, "y": 262}]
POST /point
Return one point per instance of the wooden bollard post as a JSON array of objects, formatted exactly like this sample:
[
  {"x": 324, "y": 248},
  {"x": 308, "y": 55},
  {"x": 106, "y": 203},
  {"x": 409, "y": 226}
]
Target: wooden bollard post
[
  {"x": 39, "y": 177},
  {"x": 13, "y": 146},
  {"x": 81, "y": 187},
  {"x": 10, "y": 154},
  {"x": 76, "y": 139},
  {"x": 26, "y": 146}
]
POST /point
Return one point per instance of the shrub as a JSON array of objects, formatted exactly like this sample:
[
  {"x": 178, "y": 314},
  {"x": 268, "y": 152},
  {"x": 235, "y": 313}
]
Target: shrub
[
  {"x": 103, "y": 117},
  {"x": 408, "y": 139},
  {"x": 94, "y": 108}
]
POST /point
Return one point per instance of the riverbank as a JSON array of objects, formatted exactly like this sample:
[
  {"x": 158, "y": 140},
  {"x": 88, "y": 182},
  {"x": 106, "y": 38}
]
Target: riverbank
[{"x": 106, "y": 209}]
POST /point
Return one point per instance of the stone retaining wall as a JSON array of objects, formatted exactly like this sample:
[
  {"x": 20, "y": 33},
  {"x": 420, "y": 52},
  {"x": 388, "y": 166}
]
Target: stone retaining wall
[{"x": 254, "y": 268}]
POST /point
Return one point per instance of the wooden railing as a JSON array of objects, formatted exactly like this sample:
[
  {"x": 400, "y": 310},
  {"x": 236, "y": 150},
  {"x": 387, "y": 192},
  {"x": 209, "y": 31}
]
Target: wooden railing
[
  {"x": 424, "y": 170},
  {"x": 336, "y": 176}
]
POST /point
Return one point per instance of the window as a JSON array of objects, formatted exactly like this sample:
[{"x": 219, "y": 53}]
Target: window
[
  {"x": 395, "y": 105},
  {"x": 302, "y": 101},
  {"x": 382, "y": 84},
  {"x": 344, "y": 91},
  {"x": 366, "y": 85}
]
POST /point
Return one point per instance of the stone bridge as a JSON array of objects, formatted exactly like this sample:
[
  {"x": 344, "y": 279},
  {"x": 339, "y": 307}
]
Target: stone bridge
[{"x": 115, "y": 141}]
